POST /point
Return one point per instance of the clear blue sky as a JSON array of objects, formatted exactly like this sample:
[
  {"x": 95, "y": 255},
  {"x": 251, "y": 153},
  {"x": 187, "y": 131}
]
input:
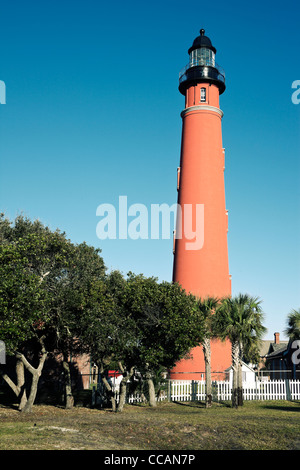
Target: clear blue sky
[{"x": 93, "y": 112}]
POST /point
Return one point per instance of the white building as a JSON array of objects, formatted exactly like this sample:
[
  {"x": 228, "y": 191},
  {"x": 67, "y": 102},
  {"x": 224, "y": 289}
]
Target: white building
[{"x": 247, "y": 372}]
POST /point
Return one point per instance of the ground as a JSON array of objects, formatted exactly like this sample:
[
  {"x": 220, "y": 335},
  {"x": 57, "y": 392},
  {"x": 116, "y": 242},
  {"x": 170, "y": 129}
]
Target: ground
[{"x": 171, "y": 426}]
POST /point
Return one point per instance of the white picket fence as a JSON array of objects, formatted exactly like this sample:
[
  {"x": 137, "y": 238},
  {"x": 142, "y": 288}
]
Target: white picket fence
[
  {"x": 194, "y": 390},
  {"x": 190, "y": 390}
]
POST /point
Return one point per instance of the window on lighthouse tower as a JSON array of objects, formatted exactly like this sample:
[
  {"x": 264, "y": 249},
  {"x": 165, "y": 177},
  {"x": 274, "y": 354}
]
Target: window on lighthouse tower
[{"x": 203, "y": 95}]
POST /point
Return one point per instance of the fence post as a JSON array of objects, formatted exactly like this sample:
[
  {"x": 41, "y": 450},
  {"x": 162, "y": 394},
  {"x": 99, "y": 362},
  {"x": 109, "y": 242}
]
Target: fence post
[
  {"x": 214, "y": 391},
  {"x": 93, "y": 396},
  {"x": 193, "y": 397},
  {"x": 287, "y": 389}
]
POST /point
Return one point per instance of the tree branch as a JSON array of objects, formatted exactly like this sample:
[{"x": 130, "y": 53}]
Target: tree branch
[
  {"x": 28, "y": 366},
  {"x": 9, "y": 382}
]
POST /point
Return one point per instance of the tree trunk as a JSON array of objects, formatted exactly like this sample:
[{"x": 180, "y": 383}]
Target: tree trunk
[
  {"x": 123, "y": 386},
  {"x": 21, "y": 384},
  {"x": 235, "y": 361},
  {"x": 36, "y": 373},
  {"x": 108, "y": 387},
  {"x": 151, "y": 390},
  {"x": 33, "y": 391},
  {"x": 240, "y": 398},
  {"x": 69, "y": 399},
  {"x": 111, "y": 393},
  {"x": 207, "y": 360},
  {"x": 122, "y": 394},
  {"x": 19, "y": 389}
]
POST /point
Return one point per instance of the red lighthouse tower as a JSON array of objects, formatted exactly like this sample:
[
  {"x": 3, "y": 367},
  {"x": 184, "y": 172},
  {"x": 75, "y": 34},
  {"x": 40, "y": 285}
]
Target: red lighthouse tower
[{"x": 202, "y": 268}]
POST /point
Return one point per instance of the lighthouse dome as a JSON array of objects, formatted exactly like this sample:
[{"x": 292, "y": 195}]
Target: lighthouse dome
[
  {"x": 202, "y": 67},
  {"x": 202, "y": 41}
]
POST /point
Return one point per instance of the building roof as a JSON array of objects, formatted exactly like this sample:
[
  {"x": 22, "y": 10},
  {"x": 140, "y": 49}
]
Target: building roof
[
  {"x": 267, "y": 347},
  {"x": 277, "y": 351},
  {"x": 243, "y": 364}
]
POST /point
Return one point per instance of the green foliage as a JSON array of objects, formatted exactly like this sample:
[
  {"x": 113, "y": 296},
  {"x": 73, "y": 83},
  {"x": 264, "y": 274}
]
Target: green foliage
[
  {"x": 23, "y": 299},
  {"x": 240, "y": 319},
  {"x": 167, "y": 321},
  {"x": 293, "y": 325},
  {"x": 105, "y": 331},
  {"x": 45, "y": 283},
  {"x": 207, "y": 307},
  {"x": 52, "y": 287}
]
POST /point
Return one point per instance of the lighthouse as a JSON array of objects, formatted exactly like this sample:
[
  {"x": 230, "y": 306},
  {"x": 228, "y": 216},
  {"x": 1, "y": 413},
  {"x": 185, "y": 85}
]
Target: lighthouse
[{"x": 202, "y": 268}]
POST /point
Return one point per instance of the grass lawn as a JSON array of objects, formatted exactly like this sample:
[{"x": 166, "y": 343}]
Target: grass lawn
[{"x": 267, "y": 425}]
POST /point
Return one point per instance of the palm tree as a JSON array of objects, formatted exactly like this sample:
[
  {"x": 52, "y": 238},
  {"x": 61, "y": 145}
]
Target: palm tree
[
  {"x": 293, "y": 325},
  {"x": 240, "y": 320},
  {"x": 207, "y": 308}
]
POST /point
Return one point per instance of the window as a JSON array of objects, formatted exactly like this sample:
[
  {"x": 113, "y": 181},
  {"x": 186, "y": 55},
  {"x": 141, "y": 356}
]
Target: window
[
  {"x": 178, "y": 177},
  {"x": 203, "y": 95},
  {"x": 202, "y": 56}
]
